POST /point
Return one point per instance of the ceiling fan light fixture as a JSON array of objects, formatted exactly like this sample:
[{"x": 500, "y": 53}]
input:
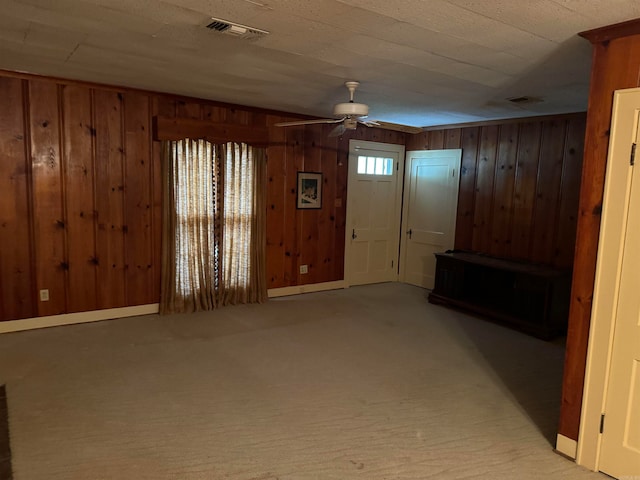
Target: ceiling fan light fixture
[
  {"x": 350, "y": 123},
  {"x": 351, "y": 110}
]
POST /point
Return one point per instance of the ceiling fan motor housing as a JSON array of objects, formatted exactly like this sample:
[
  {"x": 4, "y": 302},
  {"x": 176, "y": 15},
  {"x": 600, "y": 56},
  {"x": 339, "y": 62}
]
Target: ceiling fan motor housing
[{"x": 351, "y": 110}]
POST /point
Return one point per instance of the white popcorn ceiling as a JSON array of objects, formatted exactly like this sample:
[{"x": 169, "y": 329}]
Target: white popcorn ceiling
[{"x": 420, "y": 62}]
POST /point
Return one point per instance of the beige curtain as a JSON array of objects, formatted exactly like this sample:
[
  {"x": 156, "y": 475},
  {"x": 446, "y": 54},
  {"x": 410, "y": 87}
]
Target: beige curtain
[
  {"x": 213, "y": 249},
  {"x": 244, "y": 237}
]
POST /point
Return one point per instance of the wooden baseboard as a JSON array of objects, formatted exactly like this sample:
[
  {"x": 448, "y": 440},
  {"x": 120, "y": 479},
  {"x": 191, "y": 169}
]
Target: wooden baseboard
[
  {"x": 566, "y": 446},
  {"x": 298, "y": 289},
  {"x": 80, "y": 317}
]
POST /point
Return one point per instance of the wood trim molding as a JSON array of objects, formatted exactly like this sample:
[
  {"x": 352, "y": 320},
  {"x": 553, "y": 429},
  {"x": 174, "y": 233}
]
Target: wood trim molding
[
  {"x": 307, "y": 288},
  {"x": 505, "y": 121},
  {"x": 566, "y": 446},
  {"x": 610, "y": 32},
  {"x": 165, "y": 128},
  {"x": 78, "y": 317}
]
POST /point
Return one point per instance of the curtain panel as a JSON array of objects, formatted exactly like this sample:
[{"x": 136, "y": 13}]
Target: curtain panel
[{"x": 214, "y": 232}]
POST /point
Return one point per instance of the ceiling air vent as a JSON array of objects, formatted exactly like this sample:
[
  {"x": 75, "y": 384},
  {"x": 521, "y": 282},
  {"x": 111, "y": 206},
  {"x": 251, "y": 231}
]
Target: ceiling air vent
[
  {"x": 235, "y": 29},
  {"x": 524, "y": 100}
]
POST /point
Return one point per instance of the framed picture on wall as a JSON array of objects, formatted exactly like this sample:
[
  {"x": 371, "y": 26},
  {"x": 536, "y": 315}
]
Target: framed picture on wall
[{"x": 309, "y": 190}]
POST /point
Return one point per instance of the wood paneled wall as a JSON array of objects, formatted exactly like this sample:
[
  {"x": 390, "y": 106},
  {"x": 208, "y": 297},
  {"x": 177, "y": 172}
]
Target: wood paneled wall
[
  {"x": 79, "y": 210},
  {"x": 80, "y": 175},
  {"x": 80, "y": 204},
  {"x": 519, "y": 186},
  {"x": 309, "y": 237}
]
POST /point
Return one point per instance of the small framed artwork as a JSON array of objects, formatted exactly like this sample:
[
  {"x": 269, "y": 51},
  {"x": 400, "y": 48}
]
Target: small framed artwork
[{"x": 309, "y": 190}]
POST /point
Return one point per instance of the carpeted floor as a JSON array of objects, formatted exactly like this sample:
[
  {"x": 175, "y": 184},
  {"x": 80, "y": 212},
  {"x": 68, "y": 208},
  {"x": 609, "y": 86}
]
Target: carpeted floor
[{"x": 367, "y": 383}]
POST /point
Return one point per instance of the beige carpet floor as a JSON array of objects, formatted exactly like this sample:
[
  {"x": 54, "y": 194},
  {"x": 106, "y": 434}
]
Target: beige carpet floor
[{"x": 370, "y": 383}]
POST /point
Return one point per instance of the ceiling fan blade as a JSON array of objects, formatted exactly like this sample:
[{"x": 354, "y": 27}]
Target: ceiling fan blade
[
  {"x": 369, "y": 123},
  {"x": 308, "y": 122},
  {"x": 336, "y": 132}
]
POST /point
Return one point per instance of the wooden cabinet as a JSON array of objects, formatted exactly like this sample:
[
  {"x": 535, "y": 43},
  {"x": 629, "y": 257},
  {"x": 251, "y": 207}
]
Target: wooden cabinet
[{"x": 532, "y": 298}]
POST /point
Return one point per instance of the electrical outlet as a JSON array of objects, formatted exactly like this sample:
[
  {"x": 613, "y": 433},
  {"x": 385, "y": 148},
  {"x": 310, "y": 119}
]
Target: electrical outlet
[
  {"x": 304, "y": 269},
  {"x": 44, "y": 295}
]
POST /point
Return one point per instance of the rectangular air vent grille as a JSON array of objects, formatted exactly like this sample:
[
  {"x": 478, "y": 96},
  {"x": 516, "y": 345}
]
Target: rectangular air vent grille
[
  {"x": 524, "y": 100},
  {"x": 235, "y": 29}
]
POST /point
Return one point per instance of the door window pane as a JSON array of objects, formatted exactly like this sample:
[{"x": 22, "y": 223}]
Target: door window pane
[{"x": 375, "y": 165}]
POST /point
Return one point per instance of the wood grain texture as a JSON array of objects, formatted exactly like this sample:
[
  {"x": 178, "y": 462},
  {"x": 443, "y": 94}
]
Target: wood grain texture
[
  {"x": 109, "y": 194},
  {"x": 49, "y": 219},
  {"x": 138, "y": 200},
  {"x": 545, "y": 226},
  {"x": 293, "y": 216},
  {"x": 528, "y": 156},
  {"x": 565, "y": 241},
  {"x": 484, "y": 191},
  {"x": 276, "y": 204},
  {"x": 616, "y": 65},
  {"x": 78, "y": 159},
  {"x": 467, "y": 192},
  {"x": 17, "y": 288},
  {"x": 312, "y": 221},
  {"x": 505, "y": 172}
]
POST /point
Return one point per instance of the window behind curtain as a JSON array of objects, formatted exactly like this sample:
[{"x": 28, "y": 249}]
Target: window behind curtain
[{"x": 213, "y": 226}]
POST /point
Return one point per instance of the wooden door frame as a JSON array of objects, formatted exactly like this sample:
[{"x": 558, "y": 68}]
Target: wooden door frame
[
  {"x": 354, "y": 145},
  {"x": 624, "y": 125}
]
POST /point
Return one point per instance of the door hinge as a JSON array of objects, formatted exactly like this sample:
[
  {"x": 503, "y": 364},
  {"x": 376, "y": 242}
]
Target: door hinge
[
  {"x": 633, "y": 154},
  {"x": 397, "y": 166},
  {"x": 602, "y": 423},
  {"x": 391, "y": 263}
]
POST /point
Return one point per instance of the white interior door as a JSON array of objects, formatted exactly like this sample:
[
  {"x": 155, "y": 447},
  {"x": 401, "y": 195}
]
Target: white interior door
[
  {"x": 374, "y": 195},
  {"x": 620, "y": 448},
  {"x": 429, "y": 212}
]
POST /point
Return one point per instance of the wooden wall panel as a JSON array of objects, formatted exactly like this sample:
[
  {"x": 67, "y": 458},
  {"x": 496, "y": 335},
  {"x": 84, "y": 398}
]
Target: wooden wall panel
[
  {"x": 49, "y": 220},
  {"x": 327, "y": 233},
  {"x": 276, "y": 204},
  {"x": 505, "y": 171},
  {"x": 453, "y": 138},
  {"x": 138, "y": 199},
  {"x": 156, "y": 207},
  {"x": 109, "y": 194},
  {"x": 524, "y": 189},
  {"x": 188, "y": 109},
  {"x": 547, "y": 199},
  {"x": 569, "y": 193},
  {"x": 484, "y": 191},
  {"x": 78, "y": 168},
  {"x": 17, "y": 288},
  {"x": 467, "y": 193},
  {"x": 294, "y": 156},
  {"x": 518, "y": 188},
  {"x": 311, "y": 220}
]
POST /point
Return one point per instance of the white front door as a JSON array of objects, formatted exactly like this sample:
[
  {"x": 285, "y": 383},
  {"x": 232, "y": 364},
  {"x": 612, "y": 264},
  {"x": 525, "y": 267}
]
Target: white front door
[
  {"x": 620, "y": 449},
  {"x": 429, "y": 213},
  {"x": 374, "y": 194}
]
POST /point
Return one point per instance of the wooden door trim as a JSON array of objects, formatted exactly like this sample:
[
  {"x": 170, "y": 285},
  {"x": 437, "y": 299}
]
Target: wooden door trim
[{"x": 608, "y": 271}]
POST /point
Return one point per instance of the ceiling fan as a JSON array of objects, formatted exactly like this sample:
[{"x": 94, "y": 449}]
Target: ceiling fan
[{"x": 350, "y": 115}]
